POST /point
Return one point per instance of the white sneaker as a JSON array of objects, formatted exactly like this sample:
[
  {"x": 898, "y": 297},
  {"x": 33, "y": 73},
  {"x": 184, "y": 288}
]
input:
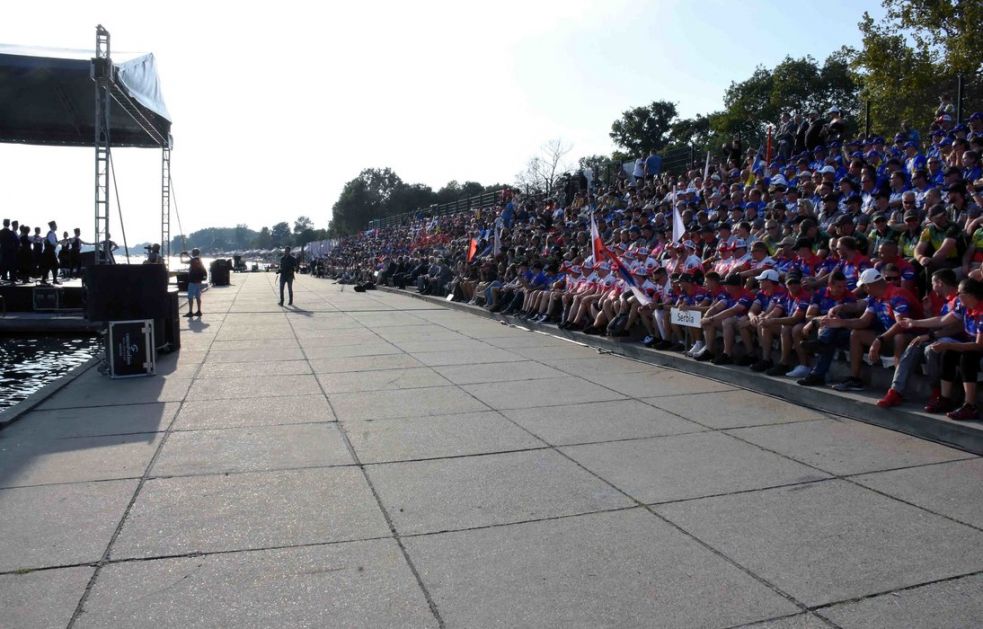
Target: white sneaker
[
  {"x": 799, "y": 372},
  {"x": 646, "y": 340},
  {"x": 697, "y": 347},
  {"x": 703, "y": 350}
]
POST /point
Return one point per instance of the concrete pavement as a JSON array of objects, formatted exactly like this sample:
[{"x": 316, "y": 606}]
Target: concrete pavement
[{"x": 375, "y": 460}]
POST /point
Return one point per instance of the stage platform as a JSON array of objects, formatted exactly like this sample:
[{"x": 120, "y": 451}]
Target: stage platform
[{"x": 36, "y": 297}]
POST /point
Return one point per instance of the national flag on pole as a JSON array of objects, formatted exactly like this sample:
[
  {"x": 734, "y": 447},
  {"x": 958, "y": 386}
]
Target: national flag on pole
[
  {"x": 472, "y": 249},
  {"x": 618, "y": 267},
  {"x": 678, "y": 229},
  {"x": 598, "y": 250}
]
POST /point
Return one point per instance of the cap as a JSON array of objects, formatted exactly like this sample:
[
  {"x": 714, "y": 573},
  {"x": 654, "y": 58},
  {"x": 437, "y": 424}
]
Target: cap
[
  {"x": 788, "y": 241},
  {"x": 879, "y": 218},
  {"x": 768, "y": 274},
  {"x": 936, "y": 209},
  {"x": 910, "y": 215},
  {"x": 738, "y": 243},
  {"x": 604, "y": 266},
  {"x": 869, "y": 276},
  {"x": 793, "y": 278}
]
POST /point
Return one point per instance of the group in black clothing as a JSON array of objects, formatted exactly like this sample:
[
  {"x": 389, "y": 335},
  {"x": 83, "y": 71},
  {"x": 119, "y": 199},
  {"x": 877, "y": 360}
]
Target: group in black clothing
[{"x": 24, "y": 256}]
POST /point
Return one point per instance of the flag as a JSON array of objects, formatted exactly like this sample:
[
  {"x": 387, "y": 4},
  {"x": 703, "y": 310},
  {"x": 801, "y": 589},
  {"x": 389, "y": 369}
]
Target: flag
[
  {"x": 472, "y": 249},
  {"x": 706, "y": 169},
  {"x": 678, "y": 229},
  {"x": 598, "y": 250},
  {"x": 768, "y": 146},
  {"x": 497, "y": 248},
  {"x": 618, "y": 267}
]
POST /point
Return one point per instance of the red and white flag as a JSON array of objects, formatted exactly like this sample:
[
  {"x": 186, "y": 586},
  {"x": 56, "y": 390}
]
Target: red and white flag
[{"x": 596, "y": 244}]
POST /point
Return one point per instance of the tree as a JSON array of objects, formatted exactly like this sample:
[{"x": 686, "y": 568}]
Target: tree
[
  {"x": 302, "y": 224},
  {"x": 263, "y": 240},
  {"x": 544, "y": 169},
  {"x": 280, "y": 234},
  {"x": 642, "y": 129},
  {"x": 915, "y": 54},
  {"x": 243, "y": 236},
  {"x": 602, "y": 166},
  {"x": 366, "y": 197}
]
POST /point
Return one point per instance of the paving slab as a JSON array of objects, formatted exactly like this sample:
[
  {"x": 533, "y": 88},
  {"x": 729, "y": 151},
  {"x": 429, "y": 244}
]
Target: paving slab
[
  {"x": 37, "y": 460},
  {"x": 599, "y": 421},
  {"x": 42, "y": 599},
  {"x": 420, "y": 402},
  {"x": 255, "y": 355},
  {"x": 448, "y": 494},
  {"x": 253, "y": 387},
  {"x": 363, "y": 363},
  {"x": 381, "y": 380},
  {"x": 358, "y": 584},
  {"x": 844, "y": 446},
  {"x": 585, "y": 367},
  {"x": 454, "y": 357},
  {"x": 798, "y": 621},
  {"x": 950, "y": 489},
  {"x": 657, "y": 383},
  {"x": 174, "y": 516},
  {"x": 734, "y": 409},
  {"x": 57, "y": 525},
  {"x": 494, "y": 372},
  {"x": 252, "y": 449},
  {"x": 622, "y": 569},
  {"x": 831, "y": 541},
  {"x": 953, "y": 603},
  {"x": 545, "y": 392},
  {"x": 460, "y": 344},
  {"x": 66, "y": 423},
  {"x": 252, "y": 371},
  {"x": 198, "y": 414},
  {"x": 688, "y": 466},
  {"x": 550, "y": 355},
  {"x": 389, "y": 440},
  {"x": 366, "y": 348},
  {"x": 109, "y": 392}
]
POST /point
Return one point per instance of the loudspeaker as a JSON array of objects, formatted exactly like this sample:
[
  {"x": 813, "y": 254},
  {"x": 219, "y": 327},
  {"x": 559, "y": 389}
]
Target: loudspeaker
[
  {"x": 120, "y": 292},
  {"x": 169, "y": 328}
]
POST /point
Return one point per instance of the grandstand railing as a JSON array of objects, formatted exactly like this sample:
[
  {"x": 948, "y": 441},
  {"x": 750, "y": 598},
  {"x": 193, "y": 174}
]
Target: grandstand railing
[{"x": 485, "y": 199}]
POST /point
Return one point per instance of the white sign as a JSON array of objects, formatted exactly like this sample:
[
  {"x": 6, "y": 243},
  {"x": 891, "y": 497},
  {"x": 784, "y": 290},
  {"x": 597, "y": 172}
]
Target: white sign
[{"x": 688, "y": 318}]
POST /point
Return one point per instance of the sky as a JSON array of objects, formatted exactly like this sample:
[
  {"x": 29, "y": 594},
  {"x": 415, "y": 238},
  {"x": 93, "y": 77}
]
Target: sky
[{"x": 276, "y": 105}]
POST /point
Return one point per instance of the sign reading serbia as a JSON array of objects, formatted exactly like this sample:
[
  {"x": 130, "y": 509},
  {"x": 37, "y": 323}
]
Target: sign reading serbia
[{"x": 688, "y": 318}]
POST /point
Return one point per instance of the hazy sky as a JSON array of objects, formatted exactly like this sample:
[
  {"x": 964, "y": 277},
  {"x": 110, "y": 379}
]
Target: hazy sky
[{"x": 276, "y": 106}]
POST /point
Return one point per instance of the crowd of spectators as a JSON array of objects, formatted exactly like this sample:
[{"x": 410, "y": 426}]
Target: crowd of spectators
[{"x": 824, "y": 243}]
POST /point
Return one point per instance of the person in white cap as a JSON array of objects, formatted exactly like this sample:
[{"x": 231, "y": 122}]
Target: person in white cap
[
  {"x": 768, "y": 303},
  {"x": 885, "y": 303}
]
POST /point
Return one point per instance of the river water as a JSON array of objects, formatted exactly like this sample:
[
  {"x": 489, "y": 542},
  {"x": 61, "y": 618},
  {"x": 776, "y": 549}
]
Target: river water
[{"x": 29, "y": 363}]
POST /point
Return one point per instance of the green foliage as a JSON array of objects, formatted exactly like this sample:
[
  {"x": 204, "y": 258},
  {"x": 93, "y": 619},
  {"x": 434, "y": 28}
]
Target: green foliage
[
  {"x": 212, "y": 239},
  {"x": 641, "y": 129},
  {"x": 280, "y": 234}
]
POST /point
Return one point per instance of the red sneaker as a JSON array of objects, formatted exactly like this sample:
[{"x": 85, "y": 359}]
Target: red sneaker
[
  {"x": 964, "y": 413},
  {"x": 891, "y": 398}
]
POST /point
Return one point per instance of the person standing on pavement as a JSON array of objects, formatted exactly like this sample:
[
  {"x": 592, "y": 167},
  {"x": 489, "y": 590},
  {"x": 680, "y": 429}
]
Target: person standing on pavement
[
  {"x": 196, "y": 275},
  {"x": 288, "y": 265}
]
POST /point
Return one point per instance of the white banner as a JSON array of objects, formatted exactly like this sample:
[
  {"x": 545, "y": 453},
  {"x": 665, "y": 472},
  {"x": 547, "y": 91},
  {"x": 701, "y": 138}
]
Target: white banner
[{"x": 687, "y": 318}]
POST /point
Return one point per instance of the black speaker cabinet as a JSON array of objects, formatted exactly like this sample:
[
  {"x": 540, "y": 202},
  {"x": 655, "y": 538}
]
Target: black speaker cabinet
[
  {"x": 168, "y": 329},
  {"x": 120, "y": 292}
]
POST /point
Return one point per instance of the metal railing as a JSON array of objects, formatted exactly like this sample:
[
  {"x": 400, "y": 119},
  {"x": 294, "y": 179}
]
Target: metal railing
[{"x": 485, "y": 199}]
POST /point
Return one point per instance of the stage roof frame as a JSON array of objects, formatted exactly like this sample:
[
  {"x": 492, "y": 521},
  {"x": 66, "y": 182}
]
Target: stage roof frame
[{"x": 46, "y": 98}]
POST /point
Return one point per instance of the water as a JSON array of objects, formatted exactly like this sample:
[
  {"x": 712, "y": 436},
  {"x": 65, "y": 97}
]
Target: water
[{"x": 29, "y": 363}]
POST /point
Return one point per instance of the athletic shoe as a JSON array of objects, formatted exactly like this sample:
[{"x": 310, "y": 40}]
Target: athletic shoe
[
  {"x": 647, "y": 340},
  {"x": 704, "y": 356},
  {"x": 723, "y": 359},
  {"x": 188, "y": 314},
  {"x": 663, "y": 345},
  {"x": 966, "y": 412},
  {"x": 703, "y": 351},
  {"x": 799, "y": 372},
  {"x": 762, "y": 365},
  {"x": 198, "y": 314},
  {"x": 891, "y": 398},
  {"x": 745, "y": 361},
  {"x": 812, "y": 380},
  {"x": 778, "y": 370},
  {"x": 677, "y": 347},
  {"x": 697, "y": 347},
  {"x": 940, "y": 405},
  {"x": 850, "y": 384}
]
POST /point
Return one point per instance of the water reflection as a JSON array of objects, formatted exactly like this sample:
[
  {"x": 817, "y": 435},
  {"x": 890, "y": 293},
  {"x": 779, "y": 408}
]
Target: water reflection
[{"x": 28, "y": 363}]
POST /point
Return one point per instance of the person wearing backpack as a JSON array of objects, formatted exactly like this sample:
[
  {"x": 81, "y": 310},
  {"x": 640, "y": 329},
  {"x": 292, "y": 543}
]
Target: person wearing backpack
[{"x": 196, "y": 275}]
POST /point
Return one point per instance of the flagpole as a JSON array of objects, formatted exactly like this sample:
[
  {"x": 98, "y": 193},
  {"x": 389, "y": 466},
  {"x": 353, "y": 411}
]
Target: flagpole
[{"x": 706, "y": 169}]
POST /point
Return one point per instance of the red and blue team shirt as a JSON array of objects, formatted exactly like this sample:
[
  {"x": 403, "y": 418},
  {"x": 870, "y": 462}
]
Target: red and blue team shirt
[
  {"x": 697, "y": 297},
  {"x": 807, "y": 267},
  {"x": 714, "y": 294},
  {"x": 760, "y": 265},
  {"x": 794, "y": 303},
  {"x": 827, "y": 264},
  {"x": 907, "y": 271},
  {"x": 853, "y": 268},
  {"x": 972, "y": 321},
  {"x": 894, "y": 302},
  {"x": 767, "y": 301},
  {"x": 825, "y": 300},
  {"x": 607, "y": 284},
  {"x": 743, "y": 298},
  {"x": 784, "y": 265}
]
